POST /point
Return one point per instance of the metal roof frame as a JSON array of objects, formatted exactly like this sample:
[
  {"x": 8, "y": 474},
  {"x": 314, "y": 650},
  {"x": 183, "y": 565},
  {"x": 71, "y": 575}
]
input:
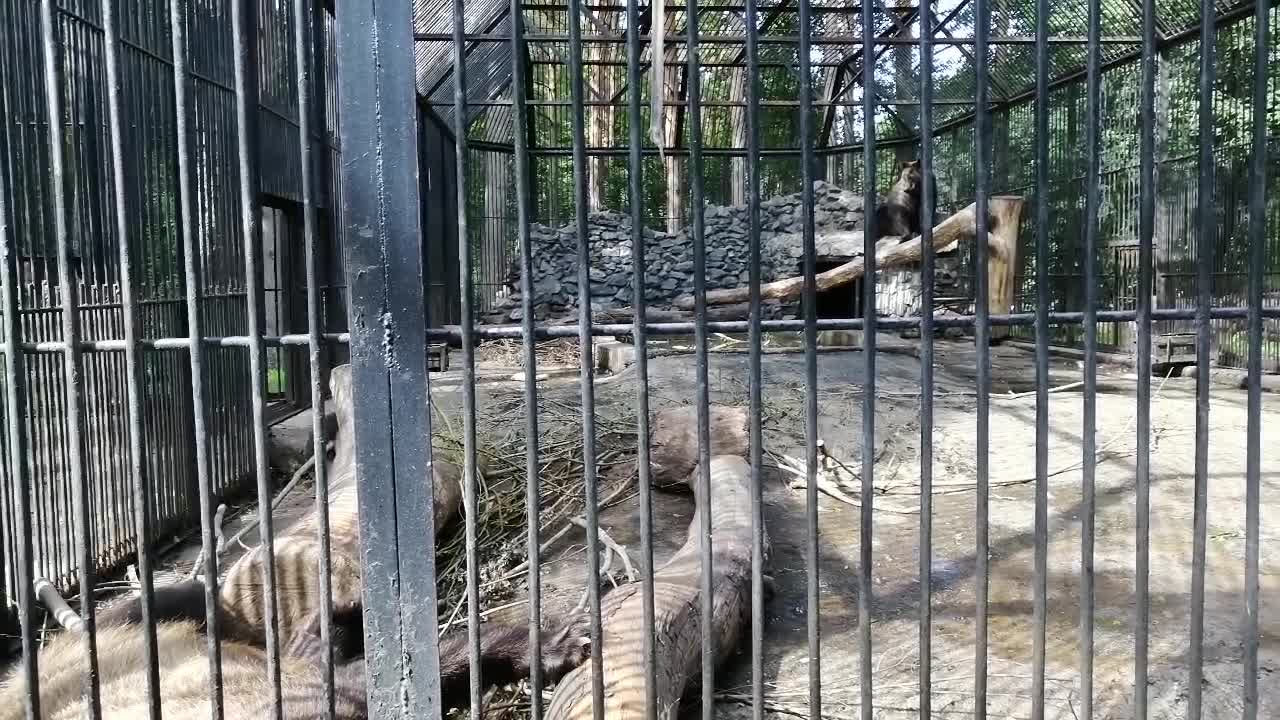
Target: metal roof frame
[{"x": 489, "y": 63}]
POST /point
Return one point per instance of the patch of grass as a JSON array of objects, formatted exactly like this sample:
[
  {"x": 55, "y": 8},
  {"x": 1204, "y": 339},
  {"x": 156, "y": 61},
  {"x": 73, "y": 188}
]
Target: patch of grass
[{"x": 276, "y": 380}]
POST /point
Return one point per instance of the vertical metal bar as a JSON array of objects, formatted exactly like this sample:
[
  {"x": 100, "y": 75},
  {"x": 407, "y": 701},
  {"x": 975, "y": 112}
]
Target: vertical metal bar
[
  {"x": 381, "y": 245},
  {"x": 304, "y": 40},
  {"x": 927, "y": 202},
  {"x": 521, "y": 131},
  {"x": 15, "y": 376},
  {"x": 1206, "y": 237},
  {"x": 469, "y": 487},
  {"x": 870, "y": 235},
  {"x": 68, "y": 290},
  {"x": 982, "y": 339},
  {"x": 1253, "y": 450},
  {"x": 244, "y": 39},
  {"x": 1146, "y": 238},
  {"x": 702, "y": 392},
  {"x": 809, "y": 306},
  {"x": 755, "y": 343},
  {"x": 1093, "y": 193},
  {"x": 578, "y": 125},
  {"x": 635, "y": 168},
  {"x": 133, "y": 356},
  {"x": 1040, "y": 572},
  {"x": 191, "y": 261}
]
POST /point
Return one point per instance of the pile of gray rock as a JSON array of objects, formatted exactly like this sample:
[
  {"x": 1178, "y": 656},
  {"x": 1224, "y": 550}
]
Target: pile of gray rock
[{"x": 668, "y": 267}]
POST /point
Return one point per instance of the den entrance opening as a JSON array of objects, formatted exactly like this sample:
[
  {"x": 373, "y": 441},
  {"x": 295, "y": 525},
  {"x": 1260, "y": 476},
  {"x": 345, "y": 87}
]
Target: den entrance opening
[{"x": 840, "y": 302}]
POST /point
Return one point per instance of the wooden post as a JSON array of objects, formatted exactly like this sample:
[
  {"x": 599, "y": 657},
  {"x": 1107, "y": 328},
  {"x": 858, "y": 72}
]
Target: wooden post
[
  {"x": 1002, "y": 260},
  {"x": 1004, "y": 211}
]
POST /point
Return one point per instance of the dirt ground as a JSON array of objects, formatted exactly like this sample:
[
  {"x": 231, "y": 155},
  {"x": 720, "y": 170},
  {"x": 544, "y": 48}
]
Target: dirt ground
[{"x": 895, "y": 606}]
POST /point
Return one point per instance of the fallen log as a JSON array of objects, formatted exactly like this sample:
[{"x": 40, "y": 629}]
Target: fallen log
[
  {"x": 673, "y": 440},
  {"x": 677, "y": 610},
  {"x": 891, "y": 252},
  {"x": 298, "y": 550},
  {"x": 722, "y": 313}
]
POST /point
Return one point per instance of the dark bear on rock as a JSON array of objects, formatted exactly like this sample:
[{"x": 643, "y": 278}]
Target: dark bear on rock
[{"x": 899, "y": 215}]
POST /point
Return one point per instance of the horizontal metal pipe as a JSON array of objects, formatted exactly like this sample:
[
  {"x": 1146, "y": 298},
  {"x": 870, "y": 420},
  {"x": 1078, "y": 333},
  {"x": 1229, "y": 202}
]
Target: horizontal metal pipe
[
  {"x": 453, "y": 332},
  {"x": 785, "y": 152},
  {"x": 57, "y": 606},
  {"x": 783, "y": 7},
  {"x": 709, "y": 103},
  {"x": 728, "y": 39}
]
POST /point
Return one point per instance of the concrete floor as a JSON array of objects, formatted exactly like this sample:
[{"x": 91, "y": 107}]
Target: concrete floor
[{"x": 895, "y": 533}]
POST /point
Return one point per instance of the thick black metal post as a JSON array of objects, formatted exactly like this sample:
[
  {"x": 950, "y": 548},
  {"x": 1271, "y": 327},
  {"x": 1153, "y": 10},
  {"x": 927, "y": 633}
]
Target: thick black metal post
[
  {"x": 68, "y": 292},
  {"x": 927, "y": 202},
  {"x": 1206, "y": 237},
  {"x": 19, "y": 471},
  {"x": 183, "y": 105},
  {"x": 381, "y": 236},
  {"x": 982, "y": 338},
  {"x": 1040, "y": 571},
  {"x": 635, "y": 168},
  {"x": 1253, "y": 450},
  {"x": 304, "y": 55},
  {"x": 755, "y": 371},
  {"x": 132, "y": 351},
  {"x": 244, "y": 34}
]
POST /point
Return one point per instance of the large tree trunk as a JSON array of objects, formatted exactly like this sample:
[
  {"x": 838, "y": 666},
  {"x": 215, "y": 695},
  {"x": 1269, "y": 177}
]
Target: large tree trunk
[
  {"x": 1004, "y": 213},
  {"x": 674, "y": 165},
  {"x": 906, "y": 84},
  {"x": 738, "y": 131},
  {"x": 601, "y": 86},
  {"x": 678, "y": 617},
  {"x": 1002, "y": 261}
]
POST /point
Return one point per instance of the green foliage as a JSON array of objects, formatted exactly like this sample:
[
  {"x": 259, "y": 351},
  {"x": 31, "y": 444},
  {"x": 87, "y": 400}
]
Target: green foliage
[
  {"x": 1178, "y": 122},
  {"x": 1013, "y": 161}
]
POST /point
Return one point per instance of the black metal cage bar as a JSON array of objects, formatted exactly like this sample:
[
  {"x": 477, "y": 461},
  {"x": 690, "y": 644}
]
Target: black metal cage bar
[
  {"x": 1205, "y": 239},
  {"x": 200, "y": 401},
  {"x": 755, "y": 371},
  {"x": 1142, "y": 484},
  {"x": 741, "y": 186},
  {"x": 928, "y": 201},
  {"x": 586, "y": 358},
  {"x": 982, "y": 339},
  {"x": 21, "y": 564},
  {"x": 132, "y": 329},
  {"x": 644, "y": 469},
  {"x": 1041, "y": 570},
  {"x": 1253, "y": 462},
  {"x": 71, "y": 354},
  {"x": 245, "y": 56},
  {"x": 308, "y": 19}
]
